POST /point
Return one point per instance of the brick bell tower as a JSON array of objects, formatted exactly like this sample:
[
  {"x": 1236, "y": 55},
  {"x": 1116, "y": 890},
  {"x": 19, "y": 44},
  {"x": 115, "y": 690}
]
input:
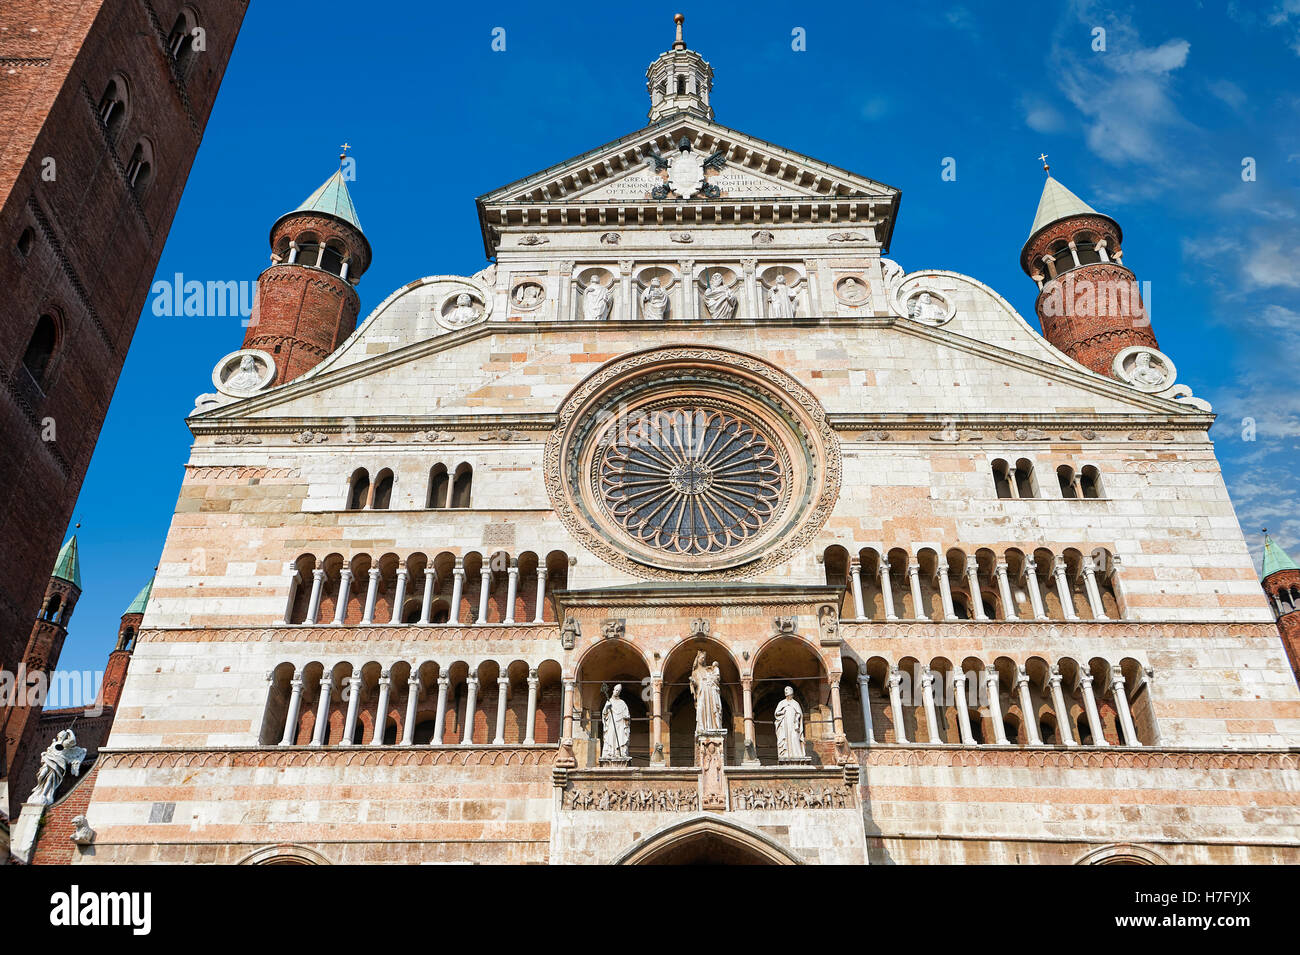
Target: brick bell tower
[
  {"x": 306, "y": 301},
  {"x": 21, "y": 715},
  {"x": 1088, "y": 303},
  {"x": 1280, "y": 579}
]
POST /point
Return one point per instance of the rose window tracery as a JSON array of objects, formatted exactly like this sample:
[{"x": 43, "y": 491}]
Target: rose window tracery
[{"x": 691, "y": 480}]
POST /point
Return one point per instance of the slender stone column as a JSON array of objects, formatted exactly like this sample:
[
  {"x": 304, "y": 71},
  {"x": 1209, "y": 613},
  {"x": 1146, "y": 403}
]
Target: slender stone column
[
  {"x": 993, "y": 687},
  {"x": 1027, "y": 708},
  {"x": 896, "y": 704},
  {"x": 976, "y": 595},
  {"x": 313, "y": 603},
  {"x": 323, "y": 709},
  {"x": 512, "y": 590},
  {"x": 689, "y": 293},
  {"x": 426, "y": 602},
  {"x": 291, "y": 570},
  {"x": 1119, "y": 691},
  {"x": 457, "y": 589},
  {"x": 345, "y": 584},
  {"x": 503, "y": 691},
  {"x": 962, "y": 705},
  {"x": 567, "y": 715},
  {"x": 1063, "y": 590},
  {"x": 855, "y": 581},
  {"x": 837, "y": 709},
  {"x": 353, "y": 685},
  {"x": 372, "y": 593},
  {"x": 381, "y": 709},
  {"x": 1035, "y": 594},
  {"x": 927, "y": 694},
  {"x": 440, "y": 716},
  {"x": 399, "y": 594},
  {"x": 471, "y": 701},
  {"x": 887, "y": 590},
  {"x": 864, "y": 691},
  {"x": 530, "y": 731},
  {"x": 484, "y": 591},
  {"x": 1090, "y": 707},
  {"x": 412, "y": 702},
  {"x": 945, "y": 591},
  {"x": 747, "y": 695},
  {"x": 914, "y": 580},
  {"x": 1094, "y": 592},
  {"x": 291, "y": 718},
  {"x": 1004, "y": 591},
  {"x": 1058, "y": 705},
  {"x": 539, "y": 616},
  {"x": 657, "y": 719}
]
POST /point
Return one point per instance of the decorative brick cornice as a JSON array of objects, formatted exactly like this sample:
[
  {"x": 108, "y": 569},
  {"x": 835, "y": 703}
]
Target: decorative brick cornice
[
  {"x": 284, "y": 757},
  {"x": 1112, "y": 757}
]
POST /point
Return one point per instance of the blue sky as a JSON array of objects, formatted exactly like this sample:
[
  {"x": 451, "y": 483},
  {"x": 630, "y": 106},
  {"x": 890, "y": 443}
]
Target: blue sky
[{"x": 1153, "y": 131}]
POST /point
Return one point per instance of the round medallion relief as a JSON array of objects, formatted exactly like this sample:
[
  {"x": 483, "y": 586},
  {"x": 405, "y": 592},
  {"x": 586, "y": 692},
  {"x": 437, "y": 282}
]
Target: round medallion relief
[{"x": 679, "y": 461}]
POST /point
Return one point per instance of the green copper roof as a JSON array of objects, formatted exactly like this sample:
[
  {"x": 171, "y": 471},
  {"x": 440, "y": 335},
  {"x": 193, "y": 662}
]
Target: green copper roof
[
  {"x": 68, "y": 567},
  {"x": 142, "y": 598},
  {"x": 1275, "y": 559},
  {"x": 1058, "y": 202},
  {"x": 332, "y": 198}
]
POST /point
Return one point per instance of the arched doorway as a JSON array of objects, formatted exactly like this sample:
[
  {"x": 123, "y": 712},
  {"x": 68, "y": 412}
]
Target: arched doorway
[{"x": 707, "y": 840}]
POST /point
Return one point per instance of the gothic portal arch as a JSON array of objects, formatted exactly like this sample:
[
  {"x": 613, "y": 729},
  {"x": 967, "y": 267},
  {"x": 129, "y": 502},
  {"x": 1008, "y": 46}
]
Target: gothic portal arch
[
  {"x": 285, "y": 853},
  {"x": 707, "y": 840}
]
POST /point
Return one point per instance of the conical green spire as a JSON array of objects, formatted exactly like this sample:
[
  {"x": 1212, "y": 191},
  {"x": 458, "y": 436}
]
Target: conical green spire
[
  {"x": 68, "y": 567},
  {"x": 142, "y": 598},
  {"x": 1057, "y": 202},
  {"x": 332, "y": 198},
  {"x": 1275, "y": 558}
]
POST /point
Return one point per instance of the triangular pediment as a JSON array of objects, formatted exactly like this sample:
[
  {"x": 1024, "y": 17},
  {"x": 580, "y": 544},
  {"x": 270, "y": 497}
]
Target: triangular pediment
[{"x": 740, "y": 167}]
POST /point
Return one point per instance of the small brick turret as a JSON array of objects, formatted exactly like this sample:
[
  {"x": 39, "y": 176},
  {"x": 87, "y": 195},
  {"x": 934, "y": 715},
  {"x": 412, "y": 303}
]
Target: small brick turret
[
  {"x": 110, "y": 691},
  {"x": 1088, "y": 302},
  {"x": 306, "y": 302},
  {"x": 1280, "y": 579}
]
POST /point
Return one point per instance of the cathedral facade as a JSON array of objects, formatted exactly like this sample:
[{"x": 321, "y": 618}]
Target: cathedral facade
[{"x": 696, "y": 528}]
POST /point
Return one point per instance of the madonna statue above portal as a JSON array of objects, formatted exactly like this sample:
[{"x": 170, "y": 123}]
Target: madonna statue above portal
[{"x": 706, "y": 688}]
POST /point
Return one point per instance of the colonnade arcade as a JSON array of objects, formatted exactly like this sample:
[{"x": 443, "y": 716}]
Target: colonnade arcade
[
  {"x": 446, "y": 588},
  {"x": 1014, "y": 584}
]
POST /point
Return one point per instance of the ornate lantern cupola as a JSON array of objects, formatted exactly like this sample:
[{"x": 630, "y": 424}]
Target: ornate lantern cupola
[
  {"x": 1088, "y": 302},
  {"x": 679, "y": 81}
]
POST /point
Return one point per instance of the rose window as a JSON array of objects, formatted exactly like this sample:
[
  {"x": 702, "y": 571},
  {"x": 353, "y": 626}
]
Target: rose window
[{"x": 691, "y": 480}]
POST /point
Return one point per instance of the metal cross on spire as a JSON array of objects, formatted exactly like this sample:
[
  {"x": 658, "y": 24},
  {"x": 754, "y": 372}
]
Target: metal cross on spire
[
  {"x": 1042, "y": 158},
  {"x": 344, "y": 155}
]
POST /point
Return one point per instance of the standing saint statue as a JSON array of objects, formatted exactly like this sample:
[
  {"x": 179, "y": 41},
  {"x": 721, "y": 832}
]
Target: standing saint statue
[
  {"x": 596, "y": 300},
  {"x": 780, "y": 299},
  {"x": 789, "y": 729},
  {"x": 706, "y": 688},
  {"x": 62, "y": 756},
  {"x": 616, "y": 727},
  {"x": 654, "y": 301},
  {"x": 720, "y": 298}
]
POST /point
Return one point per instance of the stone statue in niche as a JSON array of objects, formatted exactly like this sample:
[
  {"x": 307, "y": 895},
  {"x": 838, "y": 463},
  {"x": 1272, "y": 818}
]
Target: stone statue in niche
[
  {"x": 706, "y": 688},
  {"x": 720, "y": 298},
  {"x": 465, "y": 312},
  {"x": 1145, "y": 368},
  {"x": 654, "y": 301},
  {"x": 61, "y": 757},
  {"x": 789, "y": 730},
  {"x": 570, "y": 633},
  {"x": 597, "y": 300},
  {"x": 781, "y": 299},
  {"x": 616, "y": 728}
]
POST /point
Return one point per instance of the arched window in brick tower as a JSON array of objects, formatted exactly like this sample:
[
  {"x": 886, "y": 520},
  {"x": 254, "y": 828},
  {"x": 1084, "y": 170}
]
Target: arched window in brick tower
[
  {"x": 383, "y": 495},
  {"x": 460, "y": 488},
  {"x": 180, "y": 42},
  {"x": 358, "y": 489},
  {"x": 439, "y": 485},
  {"x": 113, "y": 107},
  {"x": 40, "y": 348},
  {"x": 139, "y": 171}
]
